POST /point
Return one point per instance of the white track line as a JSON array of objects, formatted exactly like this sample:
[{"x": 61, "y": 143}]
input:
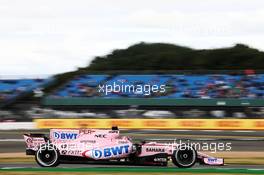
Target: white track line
[{"x": 11, "y": 140}]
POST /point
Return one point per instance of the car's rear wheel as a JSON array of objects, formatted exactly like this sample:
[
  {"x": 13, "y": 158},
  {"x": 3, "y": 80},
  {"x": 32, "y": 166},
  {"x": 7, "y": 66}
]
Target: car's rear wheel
[
  {"x": 47, "y": 156},
  {"x": 184, "y": 156}
]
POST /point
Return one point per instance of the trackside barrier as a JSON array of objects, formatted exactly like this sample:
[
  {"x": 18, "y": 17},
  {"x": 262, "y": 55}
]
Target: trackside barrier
[
  {"x": 204, "y": 124},
  {"x": 17, "y": 125}
]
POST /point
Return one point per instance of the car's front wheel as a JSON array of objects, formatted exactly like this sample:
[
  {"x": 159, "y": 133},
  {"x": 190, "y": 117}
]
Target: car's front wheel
[
  {"x": 47, "y": 156},
  {"x": 184, "y": 156}
]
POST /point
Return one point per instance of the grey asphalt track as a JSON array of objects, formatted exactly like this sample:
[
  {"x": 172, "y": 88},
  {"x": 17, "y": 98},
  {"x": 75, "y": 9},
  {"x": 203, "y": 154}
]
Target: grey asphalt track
[{"x": 34, "y": 165}]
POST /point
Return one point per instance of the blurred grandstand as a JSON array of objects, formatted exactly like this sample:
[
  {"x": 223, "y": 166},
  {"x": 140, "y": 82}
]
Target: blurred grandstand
[
  {"x": 77, "y": 97},
  {"x": 13, "y": 89},
  {"x": 177, "y": 86},
  {"x": 188, "y": 94}
]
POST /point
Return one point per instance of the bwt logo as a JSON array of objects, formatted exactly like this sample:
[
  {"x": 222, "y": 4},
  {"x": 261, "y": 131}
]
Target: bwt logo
[
  {"x": 111, "y": 151},
  {"x": 65, "y": 135},
  {"x": 212, "y": 159}
]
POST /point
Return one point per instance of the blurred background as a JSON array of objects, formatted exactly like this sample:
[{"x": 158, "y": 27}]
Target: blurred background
[
  {"x": 211, "y": 84},
  {"x": 208, "y": 55}
]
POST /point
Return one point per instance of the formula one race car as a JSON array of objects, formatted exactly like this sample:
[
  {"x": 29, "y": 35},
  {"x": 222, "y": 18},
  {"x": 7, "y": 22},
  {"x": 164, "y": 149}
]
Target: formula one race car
[{"x": 106, "y": 146}]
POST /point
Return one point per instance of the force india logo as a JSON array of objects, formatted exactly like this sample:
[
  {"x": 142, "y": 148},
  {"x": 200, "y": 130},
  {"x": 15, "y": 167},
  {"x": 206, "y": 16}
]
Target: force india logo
[
  {"x": 65, "y": 135},
  {"x": 111, "y": 151}
]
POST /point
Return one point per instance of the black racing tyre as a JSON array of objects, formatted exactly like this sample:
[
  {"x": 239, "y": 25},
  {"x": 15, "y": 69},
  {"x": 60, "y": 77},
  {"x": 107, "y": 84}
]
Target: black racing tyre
[
  {"x": 184, "y": 157},
  {"x": 47, "y": 156}
]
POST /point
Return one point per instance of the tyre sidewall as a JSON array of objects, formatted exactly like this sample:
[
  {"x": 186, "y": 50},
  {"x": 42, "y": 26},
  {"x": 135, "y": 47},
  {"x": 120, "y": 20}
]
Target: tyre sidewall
[
  {"x": 41, "y": 163},
  {"x": 175, "y": 161}
]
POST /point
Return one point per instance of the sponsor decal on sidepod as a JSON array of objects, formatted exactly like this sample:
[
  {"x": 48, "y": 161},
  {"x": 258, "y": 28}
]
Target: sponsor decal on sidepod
[
  {"x": 108, "y": 152},
  {"x": 154, "y": 149}
]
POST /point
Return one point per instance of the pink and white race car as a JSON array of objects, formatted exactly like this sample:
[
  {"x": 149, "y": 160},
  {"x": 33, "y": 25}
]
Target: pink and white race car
[{"x": 107, "y": 146}]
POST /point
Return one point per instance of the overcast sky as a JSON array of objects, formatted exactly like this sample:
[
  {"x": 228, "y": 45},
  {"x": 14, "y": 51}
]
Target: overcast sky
[{"x": 51, "y": 36}]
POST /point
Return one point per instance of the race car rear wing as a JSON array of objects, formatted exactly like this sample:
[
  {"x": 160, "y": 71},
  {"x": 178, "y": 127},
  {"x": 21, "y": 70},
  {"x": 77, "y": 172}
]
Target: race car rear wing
[{"x": 33, "y": 141}]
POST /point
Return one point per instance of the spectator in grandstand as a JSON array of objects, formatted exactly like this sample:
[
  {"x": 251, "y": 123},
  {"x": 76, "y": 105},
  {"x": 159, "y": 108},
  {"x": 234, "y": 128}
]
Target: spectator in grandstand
[{"x": 177, "y": 86}]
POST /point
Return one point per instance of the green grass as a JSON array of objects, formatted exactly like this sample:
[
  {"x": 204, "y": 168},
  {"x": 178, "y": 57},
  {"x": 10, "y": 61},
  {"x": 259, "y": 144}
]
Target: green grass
[{"x": 138, "y": 170}]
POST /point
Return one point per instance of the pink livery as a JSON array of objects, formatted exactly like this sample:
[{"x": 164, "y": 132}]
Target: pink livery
[{"x": 107, "y": 146}]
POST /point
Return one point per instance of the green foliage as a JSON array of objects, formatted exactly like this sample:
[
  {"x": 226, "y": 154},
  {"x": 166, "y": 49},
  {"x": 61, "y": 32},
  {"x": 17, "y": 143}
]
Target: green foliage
[
  {"x": 159, "y": 56},
  {"x": 145, "y": 57}
]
